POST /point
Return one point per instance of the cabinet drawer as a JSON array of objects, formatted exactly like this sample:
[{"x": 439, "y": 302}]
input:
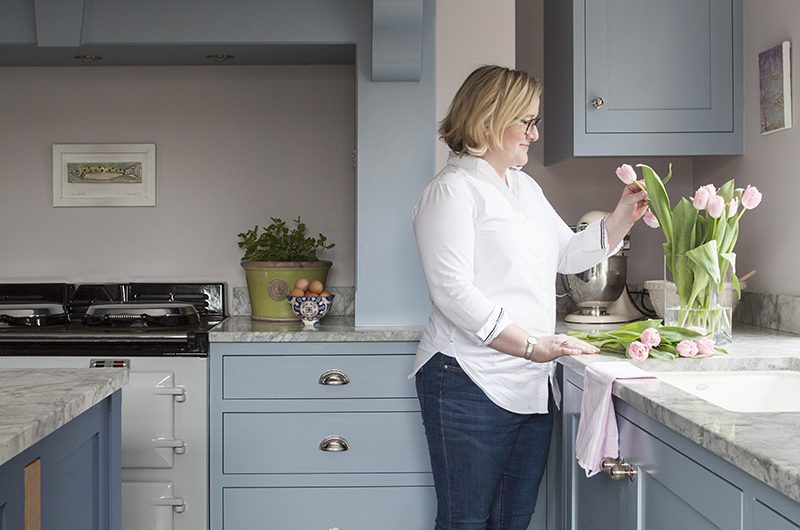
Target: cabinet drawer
[
  {"x": 387, "y": 508},
  {"x": 317, "y": 376},
  {"x": 377, "y": 442}
]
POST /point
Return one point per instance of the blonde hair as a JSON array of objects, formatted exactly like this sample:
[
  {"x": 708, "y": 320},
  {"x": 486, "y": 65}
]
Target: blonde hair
[{"x": 490, "y": 100}]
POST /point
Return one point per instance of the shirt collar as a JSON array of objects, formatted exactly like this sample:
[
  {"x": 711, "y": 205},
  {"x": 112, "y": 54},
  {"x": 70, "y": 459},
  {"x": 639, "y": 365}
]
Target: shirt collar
[{"x": 484, "y": 171}]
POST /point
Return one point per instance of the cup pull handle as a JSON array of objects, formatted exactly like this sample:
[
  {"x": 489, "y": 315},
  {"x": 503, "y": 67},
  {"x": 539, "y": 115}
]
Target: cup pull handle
[
  {"x": 334, "y": 444},
  {"x": 334, "y": 377}
]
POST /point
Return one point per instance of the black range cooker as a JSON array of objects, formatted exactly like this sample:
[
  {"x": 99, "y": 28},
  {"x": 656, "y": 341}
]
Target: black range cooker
[{"x": 132, "y": 319}]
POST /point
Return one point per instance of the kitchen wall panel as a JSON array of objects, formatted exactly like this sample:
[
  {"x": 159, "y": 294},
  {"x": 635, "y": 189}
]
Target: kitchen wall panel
[
  {"x": 235, "y": 145},
  {"x": 769, "y": 239}
]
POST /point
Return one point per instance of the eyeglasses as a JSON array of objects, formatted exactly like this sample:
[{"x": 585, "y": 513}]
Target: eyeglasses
[{"x": 533, "y": 122}]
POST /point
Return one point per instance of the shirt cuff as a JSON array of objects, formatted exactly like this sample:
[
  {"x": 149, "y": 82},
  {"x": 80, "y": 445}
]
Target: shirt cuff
[{"x": 494, "y": 325}]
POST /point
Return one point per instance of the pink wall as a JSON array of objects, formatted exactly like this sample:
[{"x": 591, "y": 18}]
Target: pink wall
[
  {"x": 235, "y": 145},
  {"x": 769, "y": 240}
]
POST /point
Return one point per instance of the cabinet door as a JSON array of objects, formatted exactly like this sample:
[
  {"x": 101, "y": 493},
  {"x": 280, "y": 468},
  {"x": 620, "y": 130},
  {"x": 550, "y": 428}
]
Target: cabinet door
[
  {"x": 596, "y": 503},
  {"x": 660, "y": 67},
  {"x": 674, "y": 490}
]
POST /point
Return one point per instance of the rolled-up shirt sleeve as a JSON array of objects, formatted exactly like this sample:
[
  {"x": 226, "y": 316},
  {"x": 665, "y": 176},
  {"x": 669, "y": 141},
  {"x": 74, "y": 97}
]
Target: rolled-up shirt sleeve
[
  {"x": 585, "y": 249},
  {"x": 445, "y": 233}
]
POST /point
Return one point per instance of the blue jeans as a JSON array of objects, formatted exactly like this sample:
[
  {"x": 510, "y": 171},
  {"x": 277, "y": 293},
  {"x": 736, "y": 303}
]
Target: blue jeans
[{"x": 487, "y": 462}]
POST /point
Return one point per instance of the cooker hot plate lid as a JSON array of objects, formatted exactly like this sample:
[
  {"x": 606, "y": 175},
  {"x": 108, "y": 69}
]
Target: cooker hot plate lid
[
  {"x": 32, "y": 314},
  {"x": 146, "y": 313}
]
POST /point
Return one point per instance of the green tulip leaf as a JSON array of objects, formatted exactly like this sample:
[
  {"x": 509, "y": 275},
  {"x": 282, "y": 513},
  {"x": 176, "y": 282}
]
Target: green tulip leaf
[
  {"x": 726, "y": 191},
  {"x": 705, "y": 257},
  {"x": 658, "y": 199}
]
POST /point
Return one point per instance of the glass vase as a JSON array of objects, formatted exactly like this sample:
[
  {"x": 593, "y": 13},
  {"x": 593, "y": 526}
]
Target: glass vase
[{"x": 708, "y": 311}]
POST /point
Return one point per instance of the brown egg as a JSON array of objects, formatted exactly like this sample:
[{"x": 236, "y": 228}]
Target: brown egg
[
  {"x": 324, "y": 293},
  {"x": 296, "y": 292},
  {"x": 301, "y": 284},
  {"x": 316, "y": 286},
  {"x": 311, "y": 293}
]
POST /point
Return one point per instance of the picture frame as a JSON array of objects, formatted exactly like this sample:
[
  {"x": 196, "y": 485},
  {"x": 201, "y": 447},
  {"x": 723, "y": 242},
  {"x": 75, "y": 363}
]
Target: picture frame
[
  {"x": 104, "y": 175},
  {"x": 775, "y": 88}
]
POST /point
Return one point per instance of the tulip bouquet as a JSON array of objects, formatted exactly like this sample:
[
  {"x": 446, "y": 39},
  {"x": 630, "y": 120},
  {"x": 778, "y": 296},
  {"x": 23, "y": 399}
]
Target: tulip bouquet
[
  {"x": 649, "y": 338},
  {"x": 700, "y": 233}
]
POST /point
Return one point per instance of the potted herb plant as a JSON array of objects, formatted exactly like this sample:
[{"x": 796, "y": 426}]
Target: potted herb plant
[{"x": 274, "y": 259}]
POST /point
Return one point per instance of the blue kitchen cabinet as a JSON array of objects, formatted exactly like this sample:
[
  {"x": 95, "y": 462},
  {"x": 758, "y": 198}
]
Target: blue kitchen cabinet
[
  {"x": 320, "y": 435},
  {"x": 678, "y": 484},
  {"x": 642, "y": 77},
  {"x": 76, "y": 470}
]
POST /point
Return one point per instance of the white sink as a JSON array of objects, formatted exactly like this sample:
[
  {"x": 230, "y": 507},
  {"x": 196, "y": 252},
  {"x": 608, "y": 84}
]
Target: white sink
[{"x": 742, "y": 391}]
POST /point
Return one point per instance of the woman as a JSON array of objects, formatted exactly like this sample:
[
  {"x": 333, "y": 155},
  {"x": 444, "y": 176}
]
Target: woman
[{"x": 490, "y": 246}]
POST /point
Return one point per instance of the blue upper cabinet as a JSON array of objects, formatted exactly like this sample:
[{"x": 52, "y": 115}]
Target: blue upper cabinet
[{"x": 643, "y": 77}]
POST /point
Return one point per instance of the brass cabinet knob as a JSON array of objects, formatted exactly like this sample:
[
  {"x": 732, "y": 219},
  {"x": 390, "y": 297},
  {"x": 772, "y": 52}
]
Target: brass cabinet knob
[
  {"x": 619, "y": 469},
  {"x": 598, "y": 102}
]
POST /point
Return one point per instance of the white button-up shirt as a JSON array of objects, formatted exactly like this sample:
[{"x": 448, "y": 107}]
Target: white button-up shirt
[{"x": 490, "y": 254}]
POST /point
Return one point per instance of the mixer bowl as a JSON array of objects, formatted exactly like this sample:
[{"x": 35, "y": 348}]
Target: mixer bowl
[{"x": 595, "y": 289}]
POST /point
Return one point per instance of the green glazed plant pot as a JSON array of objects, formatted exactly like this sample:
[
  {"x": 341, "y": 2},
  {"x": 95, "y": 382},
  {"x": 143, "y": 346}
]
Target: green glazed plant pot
[{"x": 268, "y": 283}]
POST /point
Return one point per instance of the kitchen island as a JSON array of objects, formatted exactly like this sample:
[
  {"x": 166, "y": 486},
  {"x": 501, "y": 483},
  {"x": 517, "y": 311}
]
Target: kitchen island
[
  {"x": 764, "y": 446},
  {"x": 60, "y": 447}
]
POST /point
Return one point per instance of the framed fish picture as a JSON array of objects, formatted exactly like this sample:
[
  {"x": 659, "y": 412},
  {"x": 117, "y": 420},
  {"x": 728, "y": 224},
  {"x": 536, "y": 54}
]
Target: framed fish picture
[{"x": 104, "y": 175}]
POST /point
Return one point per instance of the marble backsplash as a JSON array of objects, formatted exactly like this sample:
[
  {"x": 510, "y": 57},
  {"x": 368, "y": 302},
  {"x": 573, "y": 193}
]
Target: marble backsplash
[
  {"x": 344, "y": 301},
  {"x": 772, "y": 311}
]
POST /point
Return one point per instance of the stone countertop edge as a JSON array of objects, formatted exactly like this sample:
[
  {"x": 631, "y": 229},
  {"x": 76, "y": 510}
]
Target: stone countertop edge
[
  {"x": 332, "y": 328},
  {"x": 763, "y": 445},
  {"x": 35, "y": 402}
]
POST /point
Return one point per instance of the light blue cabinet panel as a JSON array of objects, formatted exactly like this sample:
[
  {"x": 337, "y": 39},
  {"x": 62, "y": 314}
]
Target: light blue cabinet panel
[
  {"x": 376, "y": 442},
  {"x": 80, "y": 474},
  {"x": 679, "y": 484},
  {"x": 274, "y": 429},
  {"x": 643, "y": 77},
  {"x": 766, "y": 517},
  {"x": 384, "y": 508},
  {"x": 317, "y": 377}
]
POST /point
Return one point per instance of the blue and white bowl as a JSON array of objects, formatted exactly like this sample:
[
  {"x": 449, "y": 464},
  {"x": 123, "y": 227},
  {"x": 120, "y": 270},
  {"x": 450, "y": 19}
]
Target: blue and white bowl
[{"x": 310, "y": 309}]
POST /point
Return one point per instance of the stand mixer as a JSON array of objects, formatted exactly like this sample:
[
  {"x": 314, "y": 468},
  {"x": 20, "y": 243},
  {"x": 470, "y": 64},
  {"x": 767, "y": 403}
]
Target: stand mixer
[{"x": 600, "y": 292}]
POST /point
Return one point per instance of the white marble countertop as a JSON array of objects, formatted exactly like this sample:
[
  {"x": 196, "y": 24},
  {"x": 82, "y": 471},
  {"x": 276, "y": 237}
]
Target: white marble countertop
[
  {"x": 36, "y": 402},
  {"x": 332, "y": 328},
  {"x": 765, "y": 445}
]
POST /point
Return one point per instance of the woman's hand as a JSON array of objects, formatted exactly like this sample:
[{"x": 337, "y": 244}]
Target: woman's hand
[
  {"x": 555, "y": 346},
  {"x": 630, "y": 208}
]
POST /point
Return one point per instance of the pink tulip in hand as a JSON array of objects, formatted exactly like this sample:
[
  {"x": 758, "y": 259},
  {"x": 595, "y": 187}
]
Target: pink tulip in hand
[
  {"x": 687, "y": 348},
  {"x": 638, "y": 351},
  {"x": 716, "y": 205},
  {"x": 626, "y": 174},
  {"x": 650, "y": 337},
  {"x": 705, "y": 346},
  {"x": 751, "y": 198},
  {"x": 650, "y": 219}
]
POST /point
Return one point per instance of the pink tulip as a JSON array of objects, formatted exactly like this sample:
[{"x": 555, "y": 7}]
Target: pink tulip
[
  {"x": 700, "y": 199},
  {"x": 733, "y": 207},
  {"x": 751, "y": 198},
  {"x": 638, "y": 351},
  {"x": 650, "y": 219},
  {"x": 650, "y": 337},
  {"x": 626, "y": 174},
  {"x": 697, "y": 329},
  {"x": 705, "y": 346},
  {"x": 687, "y": 348},
  {"x": 716, "y": 205}
]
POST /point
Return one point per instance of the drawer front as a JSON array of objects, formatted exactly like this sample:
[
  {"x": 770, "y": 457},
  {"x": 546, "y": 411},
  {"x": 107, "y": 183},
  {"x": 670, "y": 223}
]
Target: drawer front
[
  {"x": 387, "y": 508},
  {"x": 317, "y": 376},
  {"x": 376, "y": 442}
]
